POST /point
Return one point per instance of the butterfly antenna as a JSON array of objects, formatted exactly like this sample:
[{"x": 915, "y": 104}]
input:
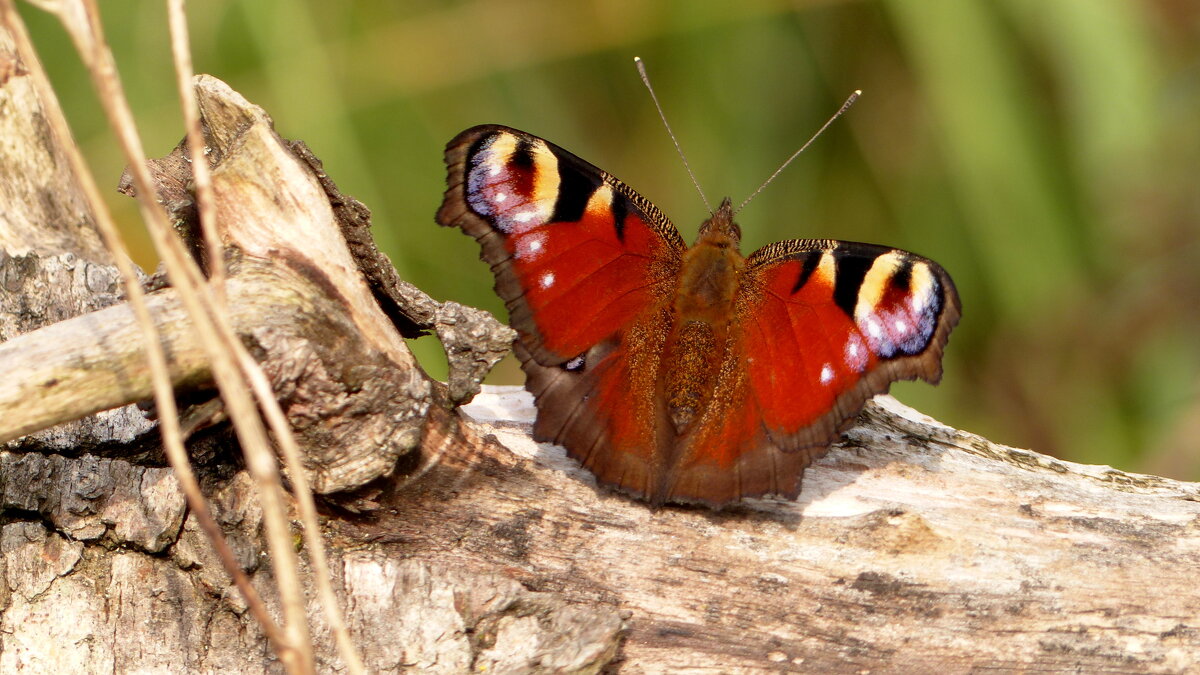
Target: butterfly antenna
[
  {"x": 646, "y": 81},
  {"x": 845, "y": 106}
]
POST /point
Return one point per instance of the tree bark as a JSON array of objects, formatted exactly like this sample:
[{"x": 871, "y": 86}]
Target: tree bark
[{"x": 457, "y": 543}]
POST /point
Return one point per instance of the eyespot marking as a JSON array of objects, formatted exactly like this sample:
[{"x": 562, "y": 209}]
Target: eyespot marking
[{"x": 512, "y": 181}]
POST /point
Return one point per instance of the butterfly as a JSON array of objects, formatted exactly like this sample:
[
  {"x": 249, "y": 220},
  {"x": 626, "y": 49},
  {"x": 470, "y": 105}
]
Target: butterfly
[{"x": 679, "y": 374}]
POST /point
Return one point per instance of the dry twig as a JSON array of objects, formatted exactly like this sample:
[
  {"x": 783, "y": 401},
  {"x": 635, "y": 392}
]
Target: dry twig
[
  {"x": 258, "y": 381},
  {"x": 164, "y": 395},
  {"x": 81, "y": 20}
]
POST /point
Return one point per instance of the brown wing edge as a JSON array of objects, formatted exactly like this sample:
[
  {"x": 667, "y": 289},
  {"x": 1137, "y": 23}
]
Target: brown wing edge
[
  {"x": 565, "y": 418},
  {"x": 766, "y": 472}
]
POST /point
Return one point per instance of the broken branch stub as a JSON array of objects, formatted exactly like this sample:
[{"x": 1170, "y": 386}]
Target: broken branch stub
[{"x": 304, "y": 294}]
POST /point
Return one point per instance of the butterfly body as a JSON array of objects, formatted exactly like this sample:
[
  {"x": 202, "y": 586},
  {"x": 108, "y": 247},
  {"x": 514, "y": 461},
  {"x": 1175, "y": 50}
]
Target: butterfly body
[
  {"x": 685, "y": 374},
  {"x": 703, "y": 308}
]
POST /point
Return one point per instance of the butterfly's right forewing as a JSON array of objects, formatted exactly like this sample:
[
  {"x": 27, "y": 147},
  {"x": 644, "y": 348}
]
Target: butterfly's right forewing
[
  {"x": 577, "y": 255},
  {"x": 829, "y": 324},
  {"x": 821, "y": 326}
]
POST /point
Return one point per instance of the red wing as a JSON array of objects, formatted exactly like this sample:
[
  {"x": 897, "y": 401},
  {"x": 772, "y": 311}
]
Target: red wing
[
  {"x": 821, "y": 326},
  {"x": 586, "y": 267},
  {"x": 728, "y": 455},
  {"x": 827, "y": 325},
  {"x": 578, "y": 255}
]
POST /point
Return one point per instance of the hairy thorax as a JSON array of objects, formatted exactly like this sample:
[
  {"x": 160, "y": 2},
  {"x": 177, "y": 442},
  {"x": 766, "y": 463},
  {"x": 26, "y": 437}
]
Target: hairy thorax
[{"x": 708, "y": 284}]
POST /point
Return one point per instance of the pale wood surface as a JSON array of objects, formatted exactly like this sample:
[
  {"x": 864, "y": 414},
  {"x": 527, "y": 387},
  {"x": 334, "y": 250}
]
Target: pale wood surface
[
  {"x": 914, "y": 547},
  {"x": 41, "y": 208}
]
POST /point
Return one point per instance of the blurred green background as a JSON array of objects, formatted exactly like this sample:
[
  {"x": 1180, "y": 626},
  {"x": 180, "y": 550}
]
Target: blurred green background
[{"x": 1046, "y": 153}]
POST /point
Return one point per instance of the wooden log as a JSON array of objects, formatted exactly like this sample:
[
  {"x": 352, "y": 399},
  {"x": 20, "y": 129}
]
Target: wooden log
[{"x": 914, "y": 547}]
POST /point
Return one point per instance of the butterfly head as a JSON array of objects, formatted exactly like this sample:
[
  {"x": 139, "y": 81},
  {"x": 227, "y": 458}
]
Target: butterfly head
[{"x": 720, "y": 229}]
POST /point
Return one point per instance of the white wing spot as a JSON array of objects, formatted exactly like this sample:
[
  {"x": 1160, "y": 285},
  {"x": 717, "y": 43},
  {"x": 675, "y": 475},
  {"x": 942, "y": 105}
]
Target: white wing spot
[
  {"x": 547, "y": 280},
  {"x": 529, "y": 246},
  {"x": 901, "y": 326},
  {"x": 856, "y": 359},
  {"x": 496, "y": 169},
  {"x": 826, "y": 374},
  {"x": 873, "y": 328},
  {"x": 524, "y": 216},
  {"x": 500, "y": 197}
]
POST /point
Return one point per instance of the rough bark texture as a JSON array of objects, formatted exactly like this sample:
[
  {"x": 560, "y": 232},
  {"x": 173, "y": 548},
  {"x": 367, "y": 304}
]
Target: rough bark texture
[{"x": 467, "y": 547}]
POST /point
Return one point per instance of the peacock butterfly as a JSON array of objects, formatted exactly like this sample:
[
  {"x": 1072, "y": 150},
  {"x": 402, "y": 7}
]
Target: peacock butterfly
[{"x": 681, "y": 374}]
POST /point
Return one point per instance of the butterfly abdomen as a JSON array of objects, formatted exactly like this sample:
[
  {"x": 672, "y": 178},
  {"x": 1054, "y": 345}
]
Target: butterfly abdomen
[{"x": 689, "y": 372}]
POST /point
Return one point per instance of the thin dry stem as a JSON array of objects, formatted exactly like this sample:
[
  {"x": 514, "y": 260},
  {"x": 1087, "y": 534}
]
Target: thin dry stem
[
  {"x": 308, "y": 511},
  {"x": 258, "y": 381},
  {"x": 163, "y": 392},
  {"x": 182, "y": 53},
  {"x": 295, "y": 650}
]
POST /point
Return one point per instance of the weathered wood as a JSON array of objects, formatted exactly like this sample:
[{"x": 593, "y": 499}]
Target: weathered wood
[
  {"x": 52, "y": 265},
  {"x": 355, "y": 412},
  {"x": 41, "y": 207},
  {"x": 913, "y": 547},
  {"x": 40, "y": 289},
  {"x": 350, "y": 386}
]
